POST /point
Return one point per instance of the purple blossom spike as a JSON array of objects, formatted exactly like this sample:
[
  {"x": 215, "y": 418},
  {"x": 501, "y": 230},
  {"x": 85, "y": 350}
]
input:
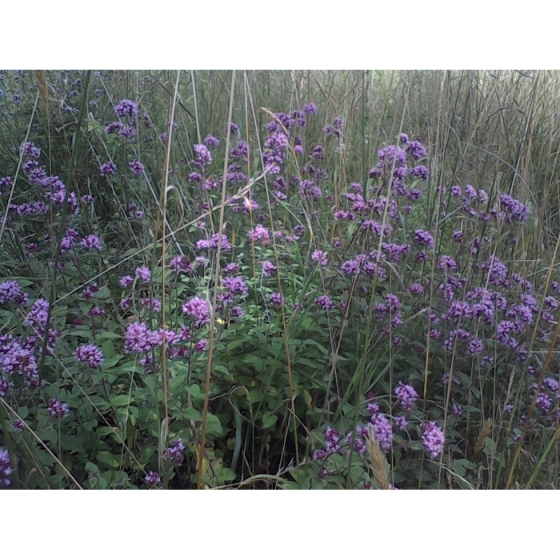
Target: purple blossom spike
[
  {"x": 90, "y": 354},
  {"x": 433, "y": 439},
  {"x": 5, "y": 467}
]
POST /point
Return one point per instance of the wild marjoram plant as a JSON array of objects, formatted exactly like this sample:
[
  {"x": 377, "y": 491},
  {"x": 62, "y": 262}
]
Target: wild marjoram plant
[{"x": 327, "y": 296}]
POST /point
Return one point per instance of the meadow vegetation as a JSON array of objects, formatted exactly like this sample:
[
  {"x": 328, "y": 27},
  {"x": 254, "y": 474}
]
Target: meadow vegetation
[{"x": 281, "y": 280}]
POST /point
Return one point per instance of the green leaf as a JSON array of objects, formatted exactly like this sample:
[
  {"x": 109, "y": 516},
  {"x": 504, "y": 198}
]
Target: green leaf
[
  {"x": 221, "y": 369},
  {"x": 121, "y": 400},
  {"x": 269, "y": 420},
  {"x": 107, "y": 335},
  {"x": 92, "y": 469},
  {"x": 112, "y": 361},
  {"x": 213, "y": 425},
  {"x": 108, "y": 350},
  {"x": 192, "y": 414},
  {"x": 195, "y": 392},
  {"x": 107, "y": 458}
]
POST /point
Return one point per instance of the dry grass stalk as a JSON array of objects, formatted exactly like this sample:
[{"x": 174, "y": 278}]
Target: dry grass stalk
[
  {"x": 43, "y": 89},
  {"x": 481, "y": 439},
  {"x": 379, "y": 464}
]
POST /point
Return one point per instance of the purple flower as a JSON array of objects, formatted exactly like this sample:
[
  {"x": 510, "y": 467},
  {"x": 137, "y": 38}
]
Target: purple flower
[
  {"x": 153, "y": 478},
  {"x": 89, "y": 353},
  {"x": 113, "y": 127},
  {"x": 310, "y": 109},
  {"x": 211, "y": 141},
  {"x": 433, "y": 439},
  {"x": 324, "y": 302},
  {"x": 29, "y": 150},
  {"x": 5, "y": 467},
  {"x": 37, "y": 316},
  {"x": 175, "y": 452},
  {"x": 136, "y": 167},
  {"x": 319, "y": 152},
  {"x": 212, "y": 243},
  {"x": 422, "y": 237},
  {"x": 138, "y": 338},
  {"x": 127, "y": 132},
  {"x": 320, "y": 257},
  {"x": 268, "y": 268},
  {"x": 401, "y": 422},
  {"x": 201, "y": 345},
  {"x": 151, "y": 303},
  {"x": 476, "y": 346},
  {"x": 143, "y": 274},
  {"x": 181, "y": 263},
  {"x": 231, "y": 268},
  {"x": 236, "y": 285},
  {"x": 58, "y": 409},
  {"x": 276, "y": 299},
  {"x": 197, "y": 308},
  {"x": 126, "y": 107},
  {"x": 259, "y": 232},
  {"x": 234, "y": 128},
  {"x": 458, "y": 236},
  {"x": 420, "y": 171},
  {"x": 383, "y": 430},
  {"x": 126, "y": 281},
  {"x": 416, "y": 288},
  {"x": 447, "y": 263},
  {"x": 9, "y": 291},
  {"x": 237, "y": 311},
  {"x": 416, "y": 149},
  {"x": 202, "y": 155},
  {"x": 91, "y": 242},
  {"x": 407, "y": 395},
  {"x": 332, "y": 439},
  {"x": 350, "y": 267}
]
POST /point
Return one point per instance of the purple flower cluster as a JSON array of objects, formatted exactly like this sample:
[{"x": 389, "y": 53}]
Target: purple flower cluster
[
  {"x": 383, "y": 430},
  {"x": 91, "y": 242},
  {"x": 11, "y": 291},
  {"x": 139, "y": 338},
  {"x": 5, "y": 467},
  {"x": 143, "y": 274},
  {"x": 181, "y": 263},
  {"x": 407, "y": 395},
  {"x": 516, "y": 211},
  {"x": 433, "y": 439},
  {"x": 203, "y": 156},
  {"x": 107, "y": 169},
  {"x": 236, "y": 285},
  {"x": 126, "y": 108},
  {"x": 153, "y": 478},
  {"x": 90, "y": 354},
  {"x": 136, "y": 167},
  {"x": 58, "y": 410},
  {"x": 422, "y": 237},
  {"x": 259, "y": 233},
  {"x": 175, "y": 452},
  {"x": 212, "y": 243},
  {"x": 211, "y": 141},
  {"x": 324, "y": 302},
  {"x": 199, "y": 309},
  {"x": 268, "y": 268}
]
